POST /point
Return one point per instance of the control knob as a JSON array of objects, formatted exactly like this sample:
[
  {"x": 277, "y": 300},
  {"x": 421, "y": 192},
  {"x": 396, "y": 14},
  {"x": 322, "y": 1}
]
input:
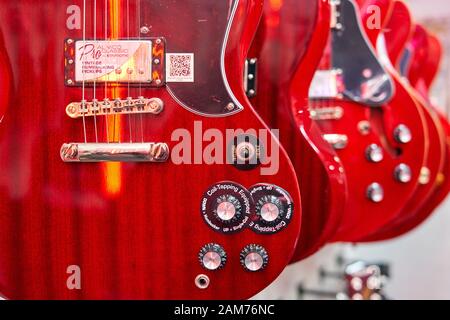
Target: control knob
[
  {"x": 226, "y": 207},
  {"x": 212, "y": 257},
  {"x": 273, "y": 208},
  {"x": 254, "y": 258}
]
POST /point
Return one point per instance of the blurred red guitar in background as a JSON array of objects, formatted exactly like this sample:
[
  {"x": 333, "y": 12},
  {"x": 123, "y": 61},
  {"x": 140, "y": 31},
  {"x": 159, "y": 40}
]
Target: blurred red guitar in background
[
  {"x": 286, "y": 50},
  {"x": 99, "y": 197},
  {"x": 429, "y": 71},
  {"x": 391, "y": 45},
  {"x": 372, "y": 122}
]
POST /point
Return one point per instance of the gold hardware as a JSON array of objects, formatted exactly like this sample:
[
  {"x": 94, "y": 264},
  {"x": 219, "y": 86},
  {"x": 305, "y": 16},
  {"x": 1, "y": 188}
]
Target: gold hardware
[
  {"x": 129, "y": 106},
  {"x": 425, "y": 176}
]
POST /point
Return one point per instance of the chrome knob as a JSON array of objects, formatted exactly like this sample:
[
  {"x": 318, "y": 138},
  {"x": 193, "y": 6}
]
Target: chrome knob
[
  {"x": 254, "y": 258},
  {"x": 212, "y": 257},
  {"x": 403, "y": 173},
  {"x": 269, "y": 208},
  {"x": 374, "y": 153},
  {"x": 228, "y": 208},
  {"x": 269, "y": 212},
  {"x": 402, "y": 134},
  {"x": 375, "y": 192},
  {"x": 274, "y": 208}
]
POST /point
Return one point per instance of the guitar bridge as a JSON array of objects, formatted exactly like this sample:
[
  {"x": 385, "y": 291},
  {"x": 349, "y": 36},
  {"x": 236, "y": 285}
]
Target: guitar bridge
[
  {"x": 106, "y": 107},
  {"x": 115, "y": 152}
]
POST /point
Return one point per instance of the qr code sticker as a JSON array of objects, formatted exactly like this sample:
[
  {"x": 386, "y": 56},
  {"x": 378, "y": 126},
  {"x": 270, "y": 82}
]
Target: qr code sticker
[{"x": 180, "y": 67}]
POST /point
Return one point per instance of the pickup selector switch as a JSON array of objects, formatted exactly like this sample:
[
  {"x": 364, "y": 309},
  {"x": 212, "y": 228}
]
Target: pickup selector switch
[
  {"x": 226, "y": 207},
  {"x": 273, "y": 208}
]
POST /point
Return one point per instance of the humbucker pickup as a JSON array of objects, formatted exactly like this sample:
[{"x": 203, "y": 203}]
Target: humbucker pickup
[
  {"x": 122, "y": 62},
  {"x": 107, "y": 107},
  {"x": 327, "y": 84}
]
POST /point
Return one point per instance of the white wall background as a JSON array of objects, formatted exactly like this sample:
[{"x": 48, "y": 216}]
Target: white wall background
[{"x": 420, "y": 261}]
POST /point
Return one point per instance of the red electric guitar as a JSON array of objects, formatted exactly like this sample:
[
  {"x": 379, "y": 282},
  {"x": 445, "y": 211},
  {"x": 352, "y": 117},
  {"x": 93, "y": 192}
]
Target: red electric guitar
[
  {"x": 285, "y": 52},
  {"x": 420, "y": 64},
  {"x": 371, "y": 121},
  {"x": 390, "y": 45},
  {"x": 101, "y": 194}
]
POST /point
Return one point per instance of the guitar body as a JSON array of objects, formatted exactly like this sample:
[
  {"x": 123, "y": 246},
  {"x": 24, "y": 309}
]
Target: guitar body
[
  {"x": 120, "y": 229},
  {"x": 376, "y": 195},
  {"x": 436, "y": 146},
  {"x": 429, "y": 71},
  {"x": 287, "y": 45},
  {"x": 5, "y": 79},
  {"x": 425, "y": 53}
]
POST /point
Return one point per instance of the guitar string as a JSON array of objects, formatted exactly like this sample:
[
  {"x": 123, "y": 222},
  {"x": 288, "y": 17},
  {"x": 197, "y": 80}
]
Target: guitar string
[
  {"x": 129, "y": 74},
  {"x": 83, "y": 102},
  {"x": 107, "y": 107},
  {"x": 116, "y": 96},
  {"x": 143, "y": 66},
  {"x": 95, "y": 102}
]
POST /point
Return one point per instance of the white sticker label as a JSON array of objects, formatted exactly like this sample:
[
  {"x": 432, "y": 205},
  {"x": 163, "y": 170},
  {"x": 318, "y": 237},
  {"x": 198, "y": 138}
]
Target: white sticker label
[
  {"x": 180, "y": 67},
  {"x": 111, "y": 61}
]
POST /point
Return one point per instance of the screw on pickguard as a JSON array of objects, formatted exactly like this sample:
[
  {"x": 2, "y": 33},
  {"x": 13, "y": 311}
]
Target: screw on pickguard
[{"x": 119, "y": 106}]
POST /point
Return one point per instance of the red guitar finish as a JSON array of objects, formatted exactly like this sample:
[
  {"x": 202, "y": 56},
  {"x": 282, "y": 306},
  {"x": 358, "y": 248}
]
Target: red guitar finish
[
  {"x": 288, "y": 46},
  {"x": 5, "y": 79},
  {"x": 381, "y": 9},
  {"x": 429, "y": 71},
  {"x": 367, "y": 126},
  {"x": 135, "y": 230},
  {"x": 434, "y": 61},
  {"x": 425, "y": 53},
  {"x": 436, "y": 147}
]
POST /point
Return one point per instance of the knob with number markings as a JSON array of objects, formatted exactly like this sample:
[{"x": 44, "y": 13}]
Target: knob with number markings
[
  {"x": 254, "y": 258},
  {"x": 212, "y": 257}
]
